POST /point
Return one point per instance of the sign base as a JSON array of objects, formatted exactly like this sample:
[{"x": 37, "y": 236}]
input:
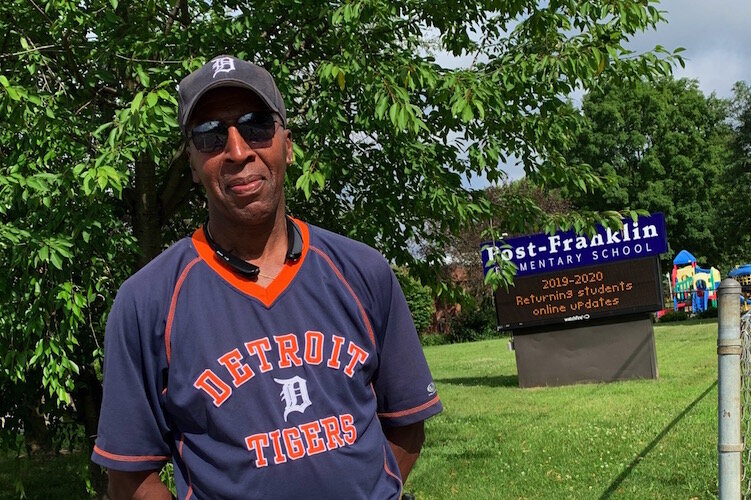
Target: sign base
[{"x": 599, "y": 352}]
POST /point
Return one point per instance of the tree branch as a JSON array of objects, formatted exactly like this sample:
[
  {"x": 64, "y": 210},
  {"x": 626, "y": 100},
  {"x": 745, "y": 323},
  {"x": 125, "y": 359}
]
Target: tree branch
[
  {"x": 28, "y": 51},
  {"x": 155, "y": 61},
  {"x": 176, "y": 187},
  {"x": 171, "y": 16},
  {"x": 184, "y": 13}
]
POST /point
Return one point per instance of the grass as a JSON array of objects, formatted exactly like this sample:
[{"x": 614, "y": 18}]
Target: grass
[
  {"x": 630, "y": 439},
  {"x": 62, "y": 477}
]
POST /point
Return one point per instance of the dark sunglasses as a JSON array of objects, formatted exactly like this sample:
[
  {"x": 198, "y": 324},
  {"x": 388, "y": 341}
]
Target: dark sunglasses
[{"x": 256, "y": 128}]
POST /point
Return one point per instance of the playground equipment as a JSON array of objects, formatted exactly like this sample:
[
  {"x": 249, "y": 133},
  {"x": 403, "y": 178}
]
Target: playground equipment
[
  {"x": 694, "y": 287},
  {"x": 742, "y": 274}
]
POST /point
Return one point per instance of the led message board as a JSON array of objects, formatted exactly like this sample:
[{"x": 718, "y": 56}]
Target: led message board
[
  {"x": 580, "y": 294},
  {"x": 543, "y": 253}
]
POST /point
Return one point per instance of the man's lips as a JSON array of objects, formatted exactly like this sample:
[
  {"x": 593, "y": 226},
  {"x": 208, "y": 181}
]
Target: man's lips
[{"x": 246, "y": 185}]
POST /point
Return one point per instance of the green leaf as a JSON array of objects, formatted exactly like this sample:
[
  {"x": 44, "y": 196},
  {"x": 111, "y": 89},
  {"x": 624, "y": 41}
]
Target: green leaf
[
  {"x": 142, "y": 76},
  {"x": 169, "y": 120},
  {"x": 480, "y": 109},
  {"x": 402, "y": 118},
  {"x": 101, "y": 128},
  {"x": 56, "y": 260},
  {"x": 393, "y": 110},
  {"x": 136, "y": 102},
  {"x": 380, "y": 109}
]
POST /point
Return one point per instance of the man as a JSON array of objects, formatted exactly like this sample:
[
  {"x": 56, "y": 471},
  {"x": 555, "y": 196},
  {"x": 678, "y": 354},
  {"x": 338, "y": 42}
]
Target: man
[{"x": 266, "y": 357}]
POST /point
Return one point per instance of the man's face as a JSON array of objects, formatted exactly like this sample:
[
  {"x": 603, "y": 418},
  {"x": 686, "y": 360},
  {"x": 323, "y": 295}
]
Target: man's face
[{"x": 244, "y": 185}]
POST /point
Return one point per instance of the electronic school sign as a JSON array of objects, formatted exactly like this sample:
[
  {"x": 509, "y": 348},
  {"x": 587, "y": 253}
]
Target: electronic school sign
[
  {"x": 543, "y": 253},
  {"x": 577, "y": 295}
]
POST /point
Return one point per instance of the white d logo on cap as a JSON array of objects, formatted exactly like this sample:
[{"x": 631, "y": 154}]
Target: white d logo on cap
[{"x": 223, "y": 65}]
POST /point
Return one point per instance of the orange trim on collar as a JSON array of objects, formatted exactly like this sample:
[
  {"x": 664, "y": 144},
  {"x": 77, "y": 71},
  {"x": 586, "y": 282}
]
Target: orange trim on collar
[{"x": 266, "y": 295}]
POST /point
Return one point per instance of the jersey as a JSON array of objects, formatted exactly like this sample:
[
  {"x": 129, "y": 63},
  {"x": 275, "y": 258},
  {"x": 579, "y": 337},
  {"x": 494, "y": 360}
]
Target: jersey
[{"x": 253, "y": 392}]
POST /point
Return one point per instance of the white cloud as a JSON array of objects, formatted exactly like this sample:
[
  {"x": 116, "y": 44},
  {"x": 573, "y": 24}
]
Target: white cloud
[
  {"x": 716, "y": 70},
  {"x": 716, "y": 37}
]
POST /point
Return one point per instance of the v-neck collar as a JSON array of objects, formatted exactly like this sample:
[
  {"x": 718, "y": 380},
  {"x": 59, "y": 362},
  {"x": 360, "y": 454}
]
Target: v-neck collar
[{"x": 266, "y": 295}]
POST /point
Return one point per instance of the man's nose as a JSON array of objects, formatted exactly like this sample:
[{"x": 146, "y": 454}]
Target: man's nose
[{"x": 237, "y": 149}]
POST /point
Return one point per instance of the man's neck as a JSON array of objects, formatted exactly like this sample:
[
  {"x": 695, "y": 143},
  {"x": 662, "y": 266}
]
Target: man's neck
[{"x": 263, "y": 243}]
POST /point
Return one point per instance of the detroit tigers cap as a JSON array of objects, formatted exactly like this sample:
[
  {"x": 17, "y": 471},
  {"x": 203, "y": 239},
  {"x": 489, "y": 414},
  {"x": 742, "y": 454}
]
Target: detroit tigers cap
[{"x": 227, "y": 71}]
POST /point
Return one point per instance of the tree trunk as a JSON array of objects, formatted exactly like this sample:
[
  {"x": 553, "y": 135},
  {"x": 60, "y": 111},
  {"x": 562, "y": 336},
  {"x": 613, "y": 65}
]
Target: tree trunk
[
  {"x": 147, "y": 230},
  {"x": 88, "y": 400},
  {"x": 146, "y": 223}
]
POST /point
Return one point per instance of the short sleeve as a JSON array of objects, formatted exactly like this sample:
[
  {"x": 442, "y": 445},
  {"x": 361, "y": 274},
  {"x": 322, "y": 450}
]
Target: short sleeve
[
  {"x": 404, "y": 386},
  {"x": 132, "y": 430}
]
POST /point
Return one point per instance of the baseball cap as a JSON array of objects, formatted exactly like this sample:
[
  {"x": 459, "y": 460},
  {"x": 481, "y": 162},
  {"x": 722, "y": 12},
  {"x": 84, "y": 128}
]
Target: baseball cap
[{"x": 227, "y": 71}]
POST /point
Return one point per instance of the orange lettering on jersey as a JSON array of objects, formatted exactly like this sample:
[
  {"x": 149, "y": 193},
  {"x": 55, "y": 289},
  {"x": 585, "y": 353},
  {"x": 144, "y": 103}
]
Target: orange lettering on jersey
[
  {"x": 241, "y": 373},
  {"x": 276, "y": 441},
  {"x": 313, "y": 443},
  {"x": 333, "y": 432},
  {"x": 334, "y": 359},
  {"x": 287, "y": 350},
  {"x": 313, "y": 347},
  {"x": 293, "y": 442},
  {"x": 309, "y": 438},
  {"x": 348, "y": 428},
  {"x": 259, "y": 348},
  {"x": 214, "y": 386},
  {"x": 257, "y": 442},
  {"x": 359, "y": 355}
]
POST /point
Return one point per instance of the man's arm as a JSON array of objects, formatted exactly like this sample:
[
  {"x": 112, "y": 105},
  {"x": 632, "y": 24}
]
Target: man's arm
[
  {"x": 144, "y": 485},
  {"x": 406, "y": 443}
]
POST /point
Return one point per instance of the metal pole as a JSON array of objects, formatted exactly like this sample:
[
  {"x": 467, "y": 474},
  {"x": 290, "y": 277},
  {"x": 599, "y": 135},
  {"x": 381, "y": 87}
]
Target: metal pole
[{"x": 729, "y": 443}]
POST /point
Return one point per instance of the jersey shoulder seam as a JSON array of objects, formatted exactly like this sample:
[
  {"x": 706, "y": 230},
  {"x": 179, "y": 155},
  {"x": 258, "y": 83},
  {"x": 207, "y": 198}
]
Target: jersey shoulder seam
[
  {"x": 349, "y": 288},
  {"x": 173, "y": 304}
]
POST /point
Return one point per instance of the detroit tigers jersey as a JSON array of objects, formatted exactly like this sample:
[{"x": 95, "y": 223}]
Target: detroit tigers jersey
[{"x": 253, "y": 392}]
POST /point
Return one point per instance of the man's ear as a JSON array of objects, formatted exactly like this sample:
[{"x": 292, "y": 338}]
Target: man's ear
[{"x": 290, "y": 150}]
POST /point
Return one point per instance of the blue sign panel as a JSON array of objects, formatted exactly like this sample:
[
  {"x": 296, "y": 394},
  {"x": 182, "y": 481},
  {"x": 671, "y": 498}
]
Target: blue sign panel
[{"x": 543, "y": 253}]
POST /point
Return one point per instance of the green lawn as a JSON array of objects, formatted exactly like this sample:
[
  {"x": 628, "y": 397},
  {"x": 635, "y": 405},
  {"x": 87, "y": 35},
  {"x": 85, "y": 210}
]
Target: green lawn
[
  {"x": 631, "y": 439},
  {"x": 61, "y": 478},
  {"x": 634, "y": 439}
]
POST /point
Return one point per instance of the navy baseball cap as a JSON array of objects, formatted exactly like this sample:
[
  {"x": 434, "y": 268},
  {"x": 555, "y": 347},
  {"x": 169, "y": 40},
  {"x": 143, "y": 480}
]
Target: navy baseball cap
[{"x": 227, "y": 71}]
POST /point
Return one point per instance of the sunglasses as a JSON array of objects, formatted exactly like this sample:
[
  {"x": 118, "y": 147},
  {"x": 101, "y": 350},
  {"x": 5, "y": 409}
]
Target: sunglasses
[{"x": 256, "y": 128}]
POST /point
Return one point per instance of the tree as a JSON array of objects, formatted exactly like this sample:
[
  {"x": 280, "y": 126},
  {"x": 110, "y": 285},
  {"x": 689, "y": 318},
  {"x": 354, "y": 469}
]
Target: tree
[
  {"x": 95, "y": 182},
  {"x": 735, "y": 199},
  {"x": 666, "y": 146},
  {"x": 518, "y": 208}
]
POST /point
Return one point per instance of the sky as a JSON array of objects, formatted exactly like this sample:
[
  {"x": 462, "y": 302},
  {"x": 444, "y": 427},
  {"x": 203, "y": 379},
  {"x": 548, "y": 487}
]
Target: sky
[
  {"x": 716, "y": 36},
  {"x": 717, "y": 39}
]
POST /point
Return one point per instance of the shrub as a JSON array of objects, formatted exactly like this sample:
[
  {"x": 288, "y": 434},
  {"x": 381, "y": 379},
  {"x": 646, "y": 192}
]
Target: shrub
[
  {"x": 419, "y": 298},
  {"x": 671, "y": 316},
  {"x": 711, "y": 312},
  {"x": 432, "y": 339},
  {"x": 476, "y": 323}
]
